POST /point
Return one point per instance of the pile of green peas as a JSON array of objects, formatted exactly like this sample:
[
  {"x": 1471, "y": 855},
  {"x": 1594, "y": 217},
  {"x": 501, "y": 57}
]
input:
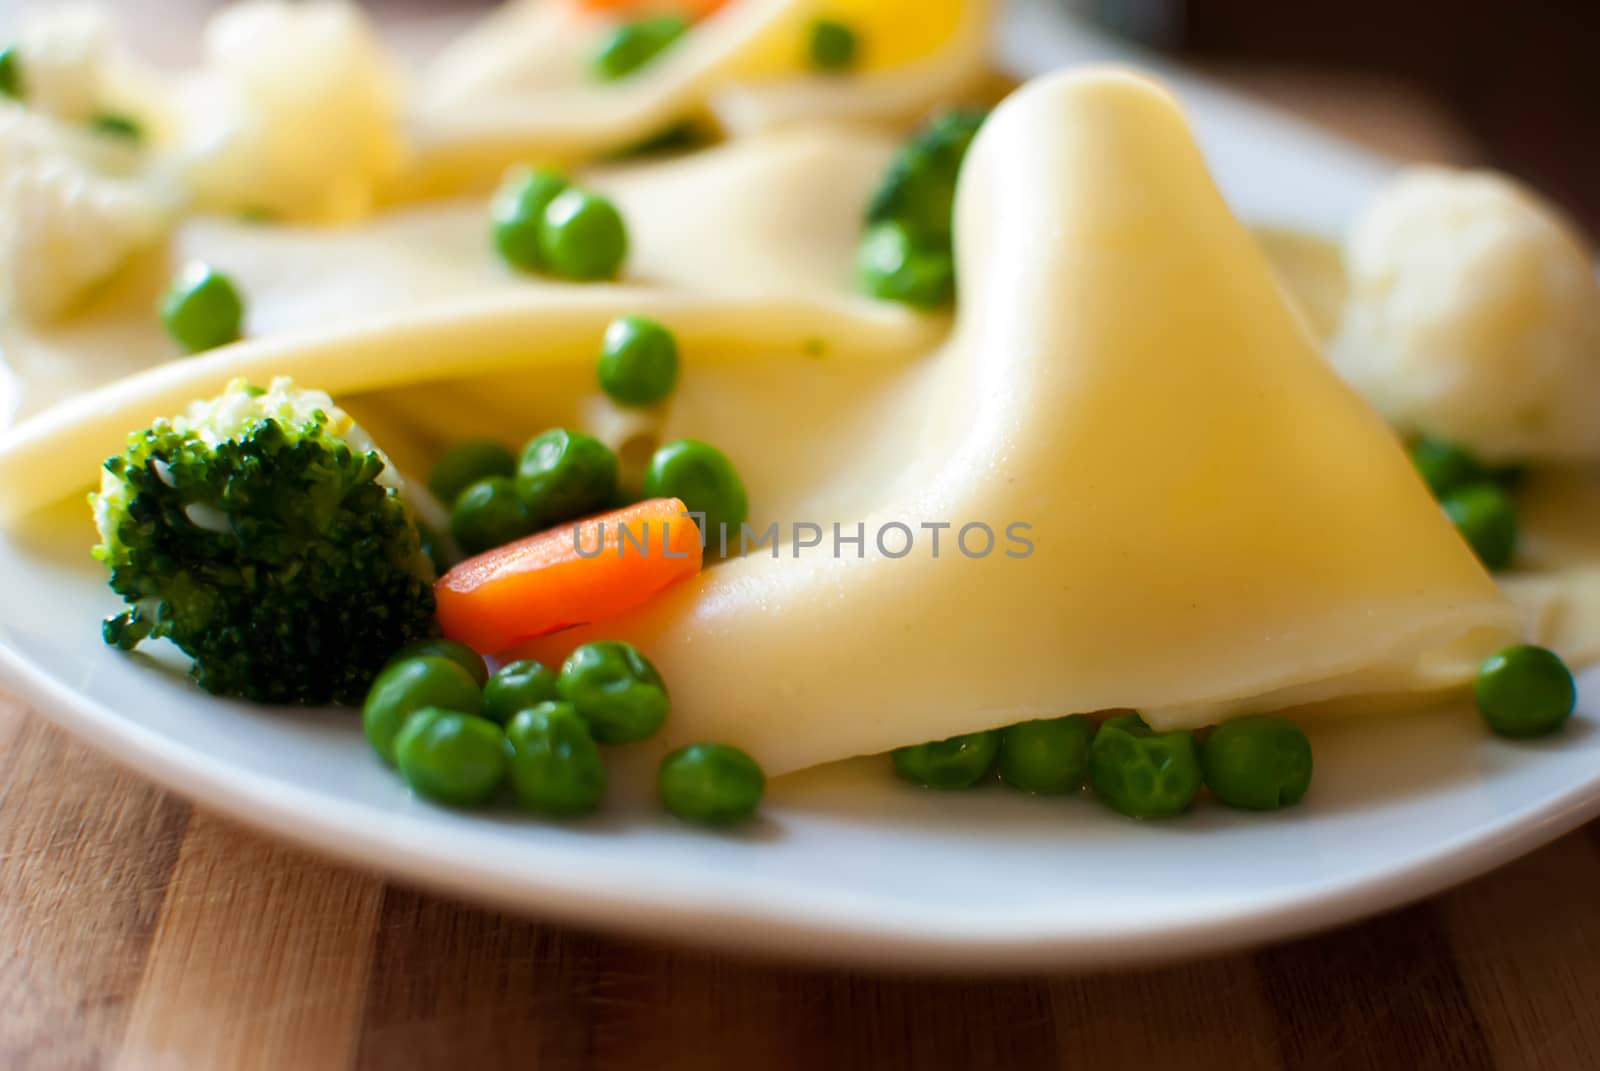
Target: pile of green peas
[
  {"x": 1476, "y": 498},
  {"x": 496, "y": 497},
  {"x": 542, "y": 223},
  {"x": 1256, "y": 763},
  {"x": 462, "y": 736},
  {"x": 907, "y": 252}
]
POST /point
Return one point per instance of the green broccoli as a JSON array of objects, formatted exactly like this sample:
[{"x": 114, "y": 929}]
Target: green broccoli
[
  {"x": 264, "y": 535},
  {"x": 919, "y": 189}
]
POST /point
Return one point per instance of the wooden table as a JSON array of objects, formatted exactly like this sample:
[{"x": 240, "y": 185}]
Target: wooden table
[{"x": 139, "y": 932}]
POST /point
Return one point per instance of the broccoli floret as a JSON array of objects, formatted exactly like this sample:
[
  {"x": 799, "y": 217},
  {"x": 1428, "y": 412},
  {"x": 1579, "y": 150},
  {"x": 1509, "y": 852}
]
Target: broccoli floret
[
  {"x": 264, "y": 535},
  {"x": 919, "y": 189}
]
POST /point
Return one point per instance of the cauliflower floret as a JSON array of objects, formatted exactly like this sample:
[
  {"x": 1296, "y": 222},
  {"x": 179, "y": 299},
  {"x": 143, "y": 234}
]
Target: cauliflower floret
[
  {"x": 64, "y": 49},
  {"x": 1474, "y": 315},
  {"x": 65, "y": 226},
  {"x": 295, "y": 114},
  {"x": 74, "y": 68}
]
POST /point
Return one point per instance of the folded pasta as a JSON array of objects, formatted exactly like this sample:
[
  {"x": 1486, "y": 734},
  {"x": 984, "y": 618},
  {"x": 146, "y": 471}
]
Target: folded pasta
[
  {"x": 521, "y": 84},
  {"x": 1126, "y": 479}
]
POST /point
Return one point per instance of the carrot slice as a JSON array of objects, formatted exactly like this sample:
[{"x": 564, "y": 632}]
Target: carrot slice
[
  {"x": 695, "y": 9},
  {"x": 576, "y": 574}
]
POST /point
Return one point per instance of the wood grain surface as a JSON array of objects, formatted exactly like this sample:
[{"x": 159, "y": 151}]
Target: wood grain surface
[{"x": 138, "y": 932}]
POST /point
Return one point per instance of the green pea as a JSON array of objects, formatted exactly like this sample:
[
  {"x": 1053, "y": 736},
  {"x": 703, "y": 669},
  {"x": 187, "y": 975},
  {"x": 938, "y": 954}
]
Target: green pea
[
  {"x": 705, "y": 480},
  {"x": 1487, "y": 520},
  {"x": 516, "y": 687},
  {"x": 1143, "y": 773},
  {"x": 616, "y": 690},
  {"x": 118, "y": 126},
  {"x": 490, "y": 514},
  {"x": 1445, "y": 466},
  {"x": 405, "y": 687},
  {"x": 452, "y": 758},
  {"x": 582, "y": 237},
  {"x": 1525, "y": 691},
  {"x": 517, "y": 214},
  {"x": 455, "y": 651},
  {"x": 1049, "y": 756},
  {"x": 893, "y": 267},
  {"x": 464, "y": 464},
  {"x": 556, "y": 768},
  {"x": 564, "y": 475},
  {"x": 203, "y": 310},
  {"x": 919, "y": 189},
  {"x": 12, "y": 83},
  {"x": 678, "y": 138},
  {"x": 958, "y": 762},
  {"x": 832, "y": 46},
  {"x": 1257, "y": 763},
  {"x": 635, "y": 44},
  {"x": 638, "y": 361},
  {"x": 712, "y": 784}
]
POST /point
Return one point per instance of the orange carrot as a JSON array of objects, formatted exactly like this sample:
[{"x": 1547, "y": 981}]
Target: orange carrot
[
  {"x": 576, "y": 574},
  {"x": 694, "y": 9}
]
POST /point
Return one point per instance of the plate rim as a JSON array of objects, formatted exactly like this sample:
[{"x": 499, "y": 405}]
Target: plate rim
[
  {"x": 793, "y": 930},
  {"x": 784, "y": 930}
]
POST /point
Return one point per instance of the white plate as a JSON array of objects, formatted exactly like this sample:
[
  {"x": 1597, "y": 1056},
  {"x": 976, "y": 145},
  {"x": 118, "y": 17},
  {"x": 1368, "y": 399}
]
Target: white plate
[{"x": 847, "y": 864}]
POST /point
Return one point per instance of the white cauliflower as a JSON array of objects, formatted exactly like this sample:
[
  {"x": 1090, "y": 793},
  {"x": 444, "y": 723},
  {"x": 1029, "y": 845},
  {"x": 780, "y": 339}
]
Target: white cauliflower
[
  {"x": 295, "y": 114},
  {"x": 75, "y": 69},
  {"x": 65, "y": 225},
  {"x": 1474, "y": 315},
  {"x": 64, "y": 49}
]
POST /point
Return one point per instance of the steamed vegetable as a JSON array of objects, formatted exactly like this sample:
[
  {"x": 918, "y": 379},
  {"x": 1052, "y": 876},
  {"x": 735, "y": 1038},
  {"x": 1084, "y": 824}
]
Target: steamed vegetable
[
  {"x": 705, "y": 480},
  {"x": 616, "y": 690},
  {"x": 564, "y": 475},
  {"x": 712, "y": 784},
  {"x": 893, "y": 264},
  {"x": 11, "y": 79},
  {"x": 832, "y": 46},
  {"x": 919, "y": 190},
  {"x": 1142, "y": 773},
  {"x": 112, "y": 125},
  {"x": 1257, "y": 763},
  {"x": 906, "y": 253},
  {"x": 1474, "y": 315},
  {"x": 452, "y": 757},
  {"x": 1049, "y": 756},
  {"x": 576, "y": 574},
  {"x": 959, "y": 762},
  {"x": 636, "y": 44},
  {"x": 516, "y": 687},
  {"x": 517, "y": 214},
  {"x": 490, "y": 514},
  {"x": 264, "y": 535},
  {"x": 465, "y": 463},
  {"x": 638, "y": 361},
  {"x": 203, "y": 310},
  {"x": 582, "y": 237},
  {"x": 1525, "y": 692},
  {"x": 459, "y": 653},
  {"x": 409, "y": 685},
  {"x": 556, "y": 768},
  {"x": 1487, "y": 520}
]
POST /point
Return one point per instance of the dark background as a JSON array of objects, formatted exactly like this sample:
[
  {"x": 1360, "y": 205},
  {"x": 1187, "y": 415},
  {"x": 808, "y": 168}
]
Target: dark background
[{"x": 1521, "y": 79}]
